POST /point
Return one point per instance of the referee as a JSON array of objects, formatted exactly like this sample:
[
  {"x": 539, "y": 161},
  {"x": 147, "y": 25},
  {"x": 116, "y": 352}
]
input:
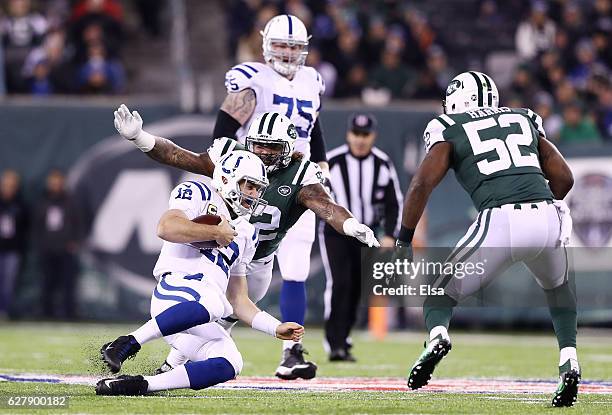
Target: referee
[{"x": 364, "y": 181}]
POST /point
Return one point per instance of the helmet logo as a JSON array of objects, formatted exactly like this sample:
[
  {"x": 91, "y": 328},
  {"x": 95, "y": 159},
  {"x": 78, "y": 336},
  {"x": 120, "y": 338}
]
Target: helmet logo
[
  {"x": 453, "y": 86},
  {"x": 292, "y": 132},
  {"x": 211, "y": 210},
  {"x": 284, "y": 190}
]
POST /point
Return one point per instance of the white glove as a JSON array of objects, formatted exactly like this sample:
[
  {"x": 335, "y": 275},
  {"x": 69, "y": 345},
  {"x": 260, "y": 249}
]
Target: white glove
[
  {"x": 214, "y": 151},
  {"x": 129, "y": 126},
  {"x": 566, "y": 222},
  {"x": 352, "y": 227}
]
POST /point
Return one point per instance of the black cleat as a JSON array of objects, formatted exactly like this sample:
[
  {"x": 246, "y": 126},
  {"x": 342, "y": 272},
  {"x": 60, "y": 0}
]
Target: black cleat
[
  {"x": 341, "y": 355},
  {"x": 567, "y": 390},
  {"x": 165, "y": 367},
  {"x": 294, "y": 366},
  {"x": 125, "y": 385},
  {"x": 423, "y": 368},
  {"x": 116, "y": 352}
]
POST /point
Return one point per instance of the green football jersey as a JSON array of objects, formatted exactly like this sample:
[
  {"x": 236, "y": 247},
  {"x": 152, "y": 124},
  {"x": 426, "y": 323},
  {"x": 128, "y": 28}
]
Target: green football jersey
[
  {"x": 283, "y": 209},
  {"x": 495, "y": 154}
]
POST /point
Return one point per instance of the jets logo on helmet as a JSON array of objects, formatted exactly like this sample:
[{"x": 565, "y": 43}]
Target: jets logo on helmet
[
  {"x": 272, "y": 137},
  {"x": 285, "y": 43},
  {"x": 241, "y": 168},
  {"x": 470, "y": 90}
]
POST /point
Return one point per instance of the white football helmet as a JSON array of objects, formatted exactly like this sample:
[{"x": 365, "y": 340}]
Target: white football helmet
[
  {"x": 470, "y": 90},
  {"x": 276, "y": 134},
  {"x": 231, "y": 170},
  {"x": 288, "y": 30}
]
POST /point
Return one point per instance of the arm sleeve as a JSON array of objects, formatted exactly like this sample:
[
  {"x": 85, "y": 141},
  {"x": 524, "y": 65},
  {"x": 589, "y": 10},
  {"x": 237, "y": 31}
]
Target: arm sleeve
[
  {"x": 393, "y": 201},
  {"x": 317, "y": 143},
  {"x": 225, "y": 125}
]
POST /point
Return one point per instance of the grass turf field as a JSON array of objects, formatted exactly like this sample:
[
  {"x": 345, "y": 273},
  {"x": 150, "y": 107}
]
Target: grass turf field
[{"x": 56, "y": 349}]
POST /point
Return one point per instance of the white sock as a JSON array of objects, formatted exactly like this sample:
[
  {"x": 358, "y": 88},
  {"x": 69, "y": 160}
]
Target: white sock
[
  {"x": 438, "y": 330},
  {"x": 147, "y": 332},
  {"x": 288, "y": 344},
  {"x": 175, "y": 379},
  {"x": 566, "y": 354}
]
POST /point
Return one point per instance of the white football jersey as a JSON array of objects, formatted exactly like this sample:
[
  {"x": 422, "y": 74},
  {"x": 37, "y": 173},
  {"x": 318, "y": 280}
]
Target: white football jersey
[
  {"x": 196, "y": 198},
  {"x": 299, "y": 99}
]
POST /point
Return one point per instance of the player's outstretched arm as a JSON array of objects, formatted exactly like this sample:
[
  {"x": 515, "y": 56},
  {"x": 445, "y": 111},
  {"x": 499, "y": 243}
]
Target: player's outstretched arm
[
  {"x": 432, "y": 170},
  {"x": 247, "y": 311},
  {"x": 174, "y": 226},
  {"x": 162, "y": 150},
  {"x": 317, "y": 199},
  {"x": 555, "y": 169}
]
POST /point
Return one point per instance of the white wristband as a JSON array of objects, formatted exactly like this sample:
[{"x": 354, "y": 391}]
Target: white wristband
[
  {"x": 144, "y": 141},
  {"x": 266, "y": 323}
]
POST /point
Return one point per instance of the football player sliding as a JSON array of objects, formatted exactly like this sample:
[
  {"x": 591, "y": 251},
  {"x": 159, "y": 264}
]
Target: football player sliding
[
  {"x": 295, "y": 186},
  {"x": 282, "y": 84},
  {"x": 198, "y": 286},
  {"x": 517, "y": 180}
]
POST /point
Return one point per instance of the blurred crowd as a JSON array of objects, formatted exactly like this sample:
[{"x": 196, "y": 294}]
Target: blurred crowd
[
  {"x": 66, "y": 46},
  {"x": 52, "y": 226},
  {"x": 377, "y": 51}
]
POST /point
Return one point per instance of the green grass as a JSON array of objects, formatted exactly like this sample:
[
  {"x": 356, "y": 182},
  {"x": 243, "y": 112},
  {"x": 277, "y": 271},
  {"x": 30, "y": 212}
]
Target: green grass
[{"x": 73, "y": 349}]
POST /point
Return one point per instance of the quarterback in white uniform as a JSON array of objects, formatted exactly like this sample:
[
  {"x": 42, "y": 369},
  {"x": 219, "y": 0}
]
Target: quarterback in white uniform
[
  {"x": 285, "y": 85},
  {"x": 194, "y": 277}
]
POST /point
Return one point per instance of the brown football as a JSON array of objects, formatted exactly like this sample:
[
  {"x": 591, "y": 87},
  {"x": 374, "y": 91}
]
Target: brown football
[{"x": 206, "y": 220}]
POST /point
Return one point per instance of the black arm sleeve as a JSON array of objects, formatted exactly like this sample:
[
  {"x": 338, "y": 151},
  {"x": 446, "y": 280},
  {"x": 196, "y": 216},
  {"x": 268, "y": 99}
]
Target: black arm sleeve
[
  {"x": 317, "y": 144},
  {"x": 392, "y": 204},
  {"x": 225, "y": 125}
]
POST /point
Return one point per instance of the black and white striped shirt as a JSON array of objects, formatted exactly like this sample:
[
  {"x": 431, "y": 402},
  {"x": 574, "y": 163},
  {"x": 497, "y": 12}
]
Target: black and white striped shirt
[{"x": 368, "y": 187}]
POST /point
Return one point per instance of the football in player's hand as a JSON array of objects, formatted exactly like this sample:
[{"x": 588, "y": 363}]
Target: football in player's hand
[{"x": 206, "y": 220}]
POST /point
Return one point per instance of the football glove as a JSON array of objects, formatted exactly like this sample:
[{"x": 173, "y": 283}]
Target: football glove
[
  {"x": 129, "y": 126},
  {"x": 361, "y": 232}
]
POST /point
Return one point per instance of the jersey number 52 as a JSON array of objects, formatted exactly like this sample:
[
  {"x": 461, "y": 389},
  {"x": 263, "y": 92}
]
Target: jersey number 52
[{"x": 508, "y": 150}]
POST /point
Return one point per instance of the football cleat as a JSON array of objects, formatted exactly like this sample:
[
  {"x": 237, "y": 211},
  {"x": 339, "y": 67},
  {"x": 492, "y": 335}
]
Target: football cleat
[
  {"x": 567, "y": 389},
  {"x": 165, "y": 367},
  {"x": 294, "y": 366},
  {"x": 423, "y": 368},
  {"x": 125, "y": 385},
  {"x": 116, "y": 352}
]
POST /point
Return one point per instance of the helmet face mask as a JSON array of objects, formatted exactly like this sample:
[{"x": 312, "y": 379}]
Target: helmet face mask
[
  {"x": 271, "y": 137},
  {"x": 236, "y": 177},
  {"x": 285, "y": 44},
  {"x": 468, "y": 91}
]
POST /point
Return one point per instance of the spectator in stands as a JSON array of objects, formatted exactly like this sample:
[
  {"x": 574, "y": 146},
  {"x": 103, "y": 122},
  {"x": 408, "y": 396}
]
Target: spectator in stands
[
  {"x": 21, "y": 29},
  {"x": 536, "y": 34},
  {"x": 249, "y": 45},
  {"x": 100, "y": 74},
  {"x": 573, "y": 23},
  {"x": 544, "y": 106},
  {"x": 565, "y": 94},
  {"x": 346, "y": 59},
  {"x": 57, "y": 225},
  {"x": 150, "y": 15},
  {"x": 326, "y": 69},
  {"x": 373, "y": 42},
  {"x": 601, "y": 41},
  {"x": 586, "y": 60},
  {"x": 13, "y": 231},
  {"x": 604, "y": 108},
  {"x": 577, "y": 128},
  {"x": 601, "y": 14},
  {"x": 523, "y": 83},
  {"x": 47, "y": 68},
  {"x": 393, "y": 75},
  {"x": 95, "y": 21}
]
